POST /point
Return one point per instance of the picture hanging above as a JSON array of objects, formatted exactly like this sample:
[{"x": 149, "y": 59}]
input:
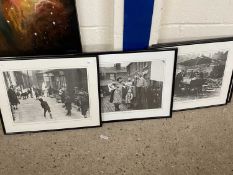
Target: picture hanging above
[
  {"x": 38, "y": 27},
  {"x": 136, "y": 85},
  {"x": 203, "y": 73},
  {"x": 49, "y": 94},
  {"x": 136, "y": 23}
]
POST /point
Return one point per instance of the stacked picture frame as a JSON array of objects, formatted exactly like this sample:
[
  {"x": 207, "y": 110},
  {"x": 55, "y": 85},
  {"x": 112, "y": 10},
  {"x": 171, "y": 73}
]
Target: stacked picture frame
[
  {"x": 85, "y": 90},
  {"x": 211, "y": 61}
]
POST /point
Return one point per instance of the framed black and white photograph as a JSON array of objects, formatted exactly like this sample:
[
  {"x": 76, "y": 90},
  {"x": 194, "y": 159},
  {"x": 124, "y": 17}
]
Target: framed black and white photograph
[
  {"x": 203, "y": 73},
  {"x": 136, "y": 85},
  {"x": 49, "y": 94}
]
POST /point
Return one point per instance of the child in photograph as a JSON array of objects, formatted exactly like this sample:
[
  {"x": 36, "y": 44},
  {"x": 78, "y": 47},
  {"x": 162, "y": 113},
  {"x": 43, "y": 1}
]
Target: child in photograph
[
  {"x": 117, "y": 97},
  {"x": 37, "y": 94},
  {"x": 46, "y": 107},
  {"x": 29, "y": 92},
  {"x": 24, "y": 94},
  {"x": 68, "y": 105},
  {"x": 129, "y": 98}
]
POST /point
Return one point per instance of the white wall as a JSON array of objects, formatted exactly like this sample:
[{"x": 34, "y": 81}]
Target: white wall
[
  {"x": 181, "y": 20},
  {"x": 196, "y": 19},
  {"x": 96, "y": 24}
]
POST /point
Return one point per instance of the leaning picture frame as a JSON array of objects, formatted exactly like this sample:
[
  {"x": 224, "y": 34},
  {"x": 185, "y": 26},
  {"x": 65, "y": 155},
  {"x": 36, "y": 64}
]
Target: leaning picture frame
[
  {"x": 50, "y": 93},
  {"x": 136, "y": 85},
  {"x": 230, "y": 90},
  {"x": 39, "y": 27},
  {"x": 203, "y": 73}
]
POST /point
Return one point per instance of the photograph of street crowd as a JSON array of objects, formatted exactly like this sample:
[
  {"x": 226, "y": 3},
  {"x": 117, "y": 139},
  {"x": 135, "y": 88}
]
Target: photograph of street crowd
[
  {"x": 128, "y": 86},
  {"x": 200, "y": 76},
  {"x": 45, "y": 95}
]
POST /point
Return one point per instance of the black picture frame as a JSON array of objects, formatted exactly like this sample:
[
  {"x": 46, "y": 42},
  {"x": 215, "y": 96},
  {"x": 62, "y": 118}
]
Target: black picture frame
[
  {"x": 162, "y": 46},
  {"x": 230, "y": 90},
  {"x": 172, "y": 88},
  {"x": 57, "y": 57}
]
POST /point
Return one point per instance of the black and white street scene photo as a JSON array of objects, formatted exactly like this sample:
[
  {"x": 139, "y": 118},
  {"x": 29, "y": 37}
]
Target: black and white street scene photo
[
  {"x": 131, "y": 86},
  {"x": 200, "y": 75},
  {"x": 136, "y": 85},
  {"x": 49, "y": 94},
  {"x": 41, "y": 95},
  {"x": 203, "y": 73}
]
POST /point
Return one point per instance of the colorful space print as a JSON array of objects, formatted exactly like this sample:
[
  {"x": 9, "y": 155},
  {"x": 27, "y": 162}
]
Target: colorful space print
[{"x": 38, "y": 27}]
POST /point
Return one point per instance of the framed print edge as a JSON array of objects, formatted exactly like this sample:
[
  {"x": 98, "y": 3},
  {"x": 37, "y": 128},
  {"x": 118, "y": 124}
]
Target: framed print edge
[
  {"x": 98, "y": 82},
  {"x": 169, "y": 114},
  {"x": 156, "y": 22},
  {"x": 79, "y": 30},
  {"x": 199, "y": 43},
  {"x": 190, "y": 42},
  {"x": 230, "y": 90},
  {"x": 118, "y": 24},
  {"x": 95, "y": 115},
  {"x": 3, "y": 126}
]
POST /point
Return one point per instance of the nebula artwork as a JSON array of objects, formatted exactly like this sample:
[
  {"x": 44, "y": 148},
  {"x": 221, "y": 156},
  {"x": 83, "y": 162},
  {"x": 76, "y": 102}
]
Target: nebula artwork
[{"x": 38, "y": 27}]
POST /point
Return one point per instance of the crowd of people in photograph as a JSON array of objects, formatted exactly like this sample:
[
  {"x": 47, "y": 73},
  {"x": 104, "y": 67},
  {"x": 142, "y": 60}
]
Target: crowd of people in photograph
[
  {"x": 135, "y": 93},
  {"x": 15, "y": 94},
  {"x": 80, "y": 99},
  {"x": 189, "y": 82}
]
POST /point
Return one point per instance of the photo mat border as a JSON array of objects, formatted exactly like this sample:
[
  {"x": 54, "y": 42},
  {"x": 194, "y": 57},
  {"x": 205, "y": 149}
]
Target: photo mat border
[{"x": 229, "y": 98}]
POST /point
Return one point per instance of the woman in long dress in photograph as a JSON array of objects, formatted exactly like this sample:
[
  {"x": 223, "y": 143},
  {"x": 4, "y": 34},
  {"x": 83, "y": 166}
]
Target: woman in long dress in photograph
[{"x": 14, "y": 101}]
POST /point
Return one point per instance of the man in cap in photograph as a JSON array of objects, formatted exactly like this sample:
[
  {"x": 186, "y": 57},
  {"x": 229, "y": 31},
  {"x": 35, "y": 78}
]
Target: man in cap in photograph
[{"x": 141, "y": 84}]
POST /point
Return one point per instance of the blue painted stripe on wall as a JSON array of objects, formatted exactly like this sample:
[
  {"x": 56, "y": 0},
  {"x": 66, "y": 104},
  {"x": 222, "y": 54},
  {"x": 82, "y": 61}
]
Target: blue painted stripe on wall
[{"x": 137, "y": 24}]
